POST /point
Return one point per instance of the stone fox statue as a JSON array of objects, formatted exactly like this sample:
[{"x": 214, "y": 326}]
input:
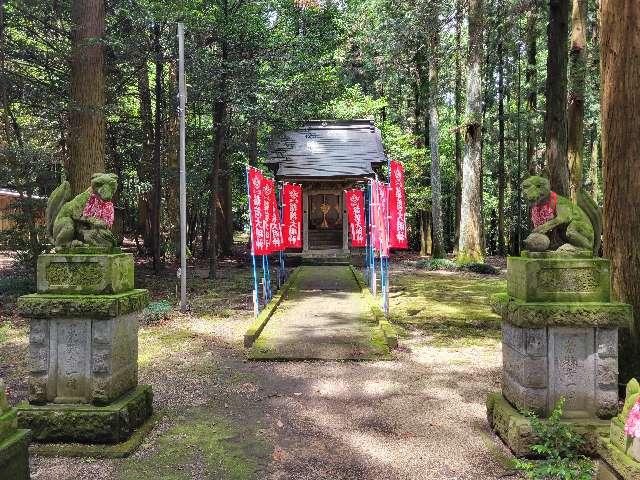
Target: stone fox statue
[
  {"x": 85, "y": 219},
  {"x": 558, "y": 222}
]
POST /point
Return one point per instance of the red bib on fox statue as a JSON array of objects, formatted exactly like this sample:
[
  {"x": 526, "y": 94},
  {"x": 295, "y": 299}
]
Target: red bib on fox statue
[
  {"x": 542, "y": 213},
  {"x": 100, "y": 209}
]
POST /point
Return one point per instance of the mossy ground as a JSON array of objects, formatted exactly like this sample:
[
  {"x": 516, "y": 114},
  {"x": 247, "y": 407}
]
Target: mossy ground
[{"x": 452, "y": 308}]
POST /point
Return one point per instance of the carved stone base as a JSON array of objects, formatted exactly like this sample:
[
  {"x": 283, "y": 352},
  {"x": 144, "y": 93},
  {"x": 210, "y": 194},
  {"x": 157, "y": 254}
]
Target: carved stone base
[
  {"x": 615, "y": 463},
  {"x": 113, "y": 423},
  {"x": 540, "y": 365}
]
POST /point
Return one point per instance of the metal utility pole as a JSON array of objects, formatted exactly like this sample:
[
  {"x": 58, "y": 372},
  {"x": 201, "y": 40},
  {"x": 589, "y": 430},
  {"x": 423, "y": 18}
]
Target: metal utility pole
[{"x": 182, "y": 96}]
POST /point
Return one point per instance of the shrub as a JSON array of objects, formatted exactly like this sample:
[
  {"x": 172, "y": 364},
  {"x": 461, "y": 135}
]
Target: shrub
[
  {"x": 436, "y": 264},
  {"x": 16, "y": 286},
  {"x": 157, "y": 311},
  {"x": 558, "y": 448},
  {"x": 483, "y": 268}
]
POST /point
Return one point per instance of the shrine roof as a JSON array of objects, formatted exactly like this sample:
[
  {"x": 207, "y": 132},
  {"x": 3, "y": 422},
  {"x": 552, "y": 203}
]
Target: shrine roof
[{"x": 327, "y": 149}]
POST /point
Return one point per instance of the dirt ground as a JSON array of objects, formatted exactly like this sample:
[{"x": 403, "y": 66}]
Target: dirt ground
[{"x": 420, "y": 415}]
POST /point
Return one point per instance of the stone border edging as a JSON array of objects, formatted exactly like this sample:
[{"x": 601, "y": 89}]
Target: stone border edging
[
  {"x": 390, "y": 334},
  {"x": 254, "y": 331}
]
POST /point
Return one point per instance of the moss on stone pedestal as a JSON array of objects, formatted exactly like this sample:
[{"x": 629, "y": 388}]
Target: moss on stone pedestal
[
  {"x": 50, "y": 305},
  {"x": 619, "y": 462},
  {"x": 559, "y": 279},
  {"x": 85, "y": 273},
  {"x": 14, "y": 452},
  {"x": 113, "y": 423}
]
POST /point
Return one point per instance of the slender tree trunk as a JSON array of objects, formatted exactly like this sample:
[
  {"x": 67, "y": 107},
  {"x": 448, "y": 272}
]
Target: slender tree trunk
[
  {"x": 501, "y": 170},
  {"x": 156, "y": 201},
  {"x": 620, "y": 63},
  {"x": 575, "y": 106},
  {"x": 86, "y": 109},
  {"x": 434, "y": 146},
  {"x": 214, "y": 203},
  {"x": 556, "y": 88},
  {"x": 532, "y": 88},
  {"x": 593, "y": 167},
  {"x": 145, "y": 166},
  {"x": 470, "y": 247},
  {"x": 172, "y": 195},
  {"x": 5, "y": 133},
  {"x": 227, "y": 200},
  {"x": 458, "y": 121},
  {"x": 426, "y": 243}
]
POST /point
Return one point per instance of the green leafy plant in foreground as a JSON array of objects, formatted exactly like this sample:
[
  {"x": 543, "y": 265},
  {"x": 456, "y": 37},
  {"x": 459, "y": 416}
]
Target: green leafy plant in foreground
[
  {"x": 157, "y": 311},
  {"x": 558, "y": 447}
]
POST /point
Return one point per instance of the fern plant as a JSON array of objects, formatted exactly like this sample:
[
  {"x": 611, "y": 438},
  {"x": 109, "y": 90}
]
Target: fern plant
[{"x": 558, "y": 448}]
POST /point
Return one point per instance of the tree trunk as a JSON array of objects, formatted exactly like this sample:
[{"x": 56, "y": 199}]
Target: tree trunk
[
  {"x": 425, "y": 233},
  {"x": 458, "y": 121},
  {"x": 145, "y": 167},
  {"x": 172, "y": 195},
  {"x": 5, "y": 132},
  {"x": 620, "y": 63},
  {"x": 501, "y": 170},
  {"x": 86, "y": 108},
  {"x": 556, "y": 92},
  {"x": 470, "y": 247},
  {"x": 156, "y": 193},
  {"x": 227, "y": 198},
  {"x": 593, "y": 168},
  {"x": 532, "y": 88},
  {"x": 214, "y": 203},
  {"x": 575, "y": 106},
  {"x": 434, "y": 146}
]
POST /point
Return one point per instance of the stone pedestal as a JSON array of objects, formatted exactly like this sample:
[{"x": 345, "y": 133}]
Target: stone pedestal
[
  {"x": 560, "y": 337},
  {"x": 83, "y": 350},
  {"x": 14, "y": 443}
]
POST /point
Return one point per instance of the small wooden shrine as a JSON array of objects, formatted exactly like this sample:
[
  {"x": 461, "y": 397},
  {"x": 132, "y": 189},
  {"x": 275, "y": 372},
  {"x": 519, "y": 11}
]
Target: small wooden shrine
[{"x": 326, "y": 157}]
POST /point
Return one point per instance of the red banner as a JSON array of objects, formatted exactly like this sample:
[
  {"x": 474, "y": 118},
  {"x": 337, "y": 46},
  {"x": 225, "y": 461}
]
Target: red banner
[
  {"x": 397, "y": 207},
  {"x": 380, "y": 209},
  {"x": 273, "y": 227},
  {"x": 357, "y": 227},
  {"x": 292, "y": 215},
  {"x": 259, "y": 244}
]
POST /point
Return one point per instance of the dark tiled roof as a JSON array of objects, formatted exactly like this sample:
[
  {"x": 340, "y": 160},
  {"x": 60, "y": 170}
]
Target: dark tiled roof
[{"x": 331, "y": 148}]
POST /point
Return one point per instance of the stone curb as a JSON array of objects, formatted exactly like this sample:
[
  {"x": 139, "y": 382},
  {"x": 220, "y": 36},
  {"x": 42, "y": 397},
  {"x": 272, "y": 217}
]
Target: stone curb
[
  {"x": 254, "y": 331},
  {"x": 389, "y": 332}
]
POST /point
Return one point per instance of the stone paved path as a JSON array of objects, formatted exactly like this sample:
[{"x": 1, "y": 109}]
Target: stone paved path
[{"x": 324, "y": 316}]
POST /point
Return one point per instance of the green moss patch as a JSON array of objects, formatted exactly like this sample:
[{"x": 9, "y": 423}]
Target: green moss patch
[
  {"x": 199, "y": 444},
  {"x": 455, "y": 309}
]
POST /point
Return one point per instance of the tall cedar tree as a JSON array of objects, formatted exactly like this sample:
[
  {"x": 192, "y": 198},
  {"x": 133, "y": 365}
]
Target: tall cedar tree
[
  {"x": 577, "y": 86},
  {"x": 458, "y": 116},
  {"x": 532, "y": 86},
  {"x": 556, "y": 88},
  {"x": 434, "y": 144},
  {"x": 620, "y": 81},
  {"x": 470, "y": 247},
  {"x": 86, "y": 109}
]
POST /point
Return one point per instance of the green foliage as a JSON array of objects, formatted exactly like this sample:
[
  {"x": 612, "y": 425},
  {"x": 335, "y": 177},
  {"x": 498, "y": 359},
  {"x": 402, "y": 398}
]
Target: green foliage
[
  {"x": 482, "y": 268},
  {"x": 436, "y": 264},
  {"x": 558, "y": 447},
  {"x": 16, "y": 286},
  {"x": 157, "y": 311}
]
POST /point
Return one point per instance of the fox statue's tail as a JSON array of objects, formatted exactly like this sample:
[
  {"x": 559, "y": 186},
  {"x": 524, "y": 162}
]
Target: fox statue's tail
[
  {"x": 586, "y": 203},
  {"x": 57, "y": 199}
]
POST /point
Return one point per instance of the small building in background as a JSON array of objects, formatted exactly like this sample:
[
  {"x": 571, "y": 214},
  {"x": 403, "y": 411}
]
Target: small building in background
[
  {"x": 326, "y": 157},
  {"x": 8, "y": 199}
]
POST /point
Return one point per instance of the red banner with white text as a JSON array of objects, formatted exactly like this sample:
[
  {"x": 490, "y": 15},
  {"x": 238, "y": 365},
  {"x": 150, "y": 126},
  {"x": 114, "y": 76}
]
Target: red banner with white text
[
  {"x": 273, "y": 226},
  {"x": 380, "y": 214},
  {"x": 292, "y": 215},
  {"x": 259, "y": 244},
  {"x": 397, "y": 207},
  {"x": 355, "y": 210}
]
